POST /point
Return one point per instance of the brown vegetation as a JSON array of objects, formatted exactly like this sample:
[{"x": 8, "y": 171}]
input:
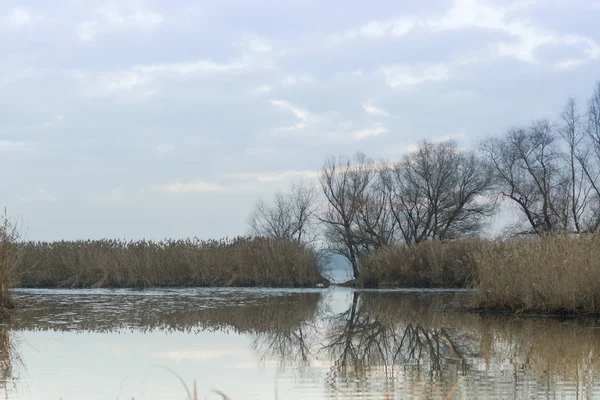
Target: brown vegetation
[
  {"x": 114, "y": 263},
  {"x": 9, "y": 256},
  {"x": 428, "y": 264},
  {"x": 547, "y": 274}
]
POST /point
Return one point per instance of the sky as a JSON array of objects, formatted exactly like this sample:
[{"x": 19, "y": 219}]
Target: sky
[{"x": 154, "y": 119}]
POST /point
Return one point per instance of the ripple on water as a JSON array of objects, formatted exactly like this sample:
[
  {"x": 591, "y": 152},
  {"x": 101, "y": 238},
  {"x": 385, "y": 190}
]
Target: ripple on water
[{"x": 304, "y": 344}]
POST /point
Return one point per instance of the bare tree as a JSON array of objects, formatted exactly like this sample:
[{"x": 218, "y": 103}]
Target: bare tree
[
  {"x": 438, "y": 192},
  {"x": 575, "y": 158},
  {"x": 345, "y": 184},
  {"x": 594, "y": 118},
  {"x": 527, "y": 170},
  {"x": 589, "y": 158},
  {"x": 375, "y": 224},
  {"x": 290, "y": 216}
]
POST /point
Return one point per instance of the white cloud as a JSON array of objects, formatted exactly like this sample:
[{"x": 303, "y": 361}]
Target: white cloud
[
  {"x": 326, "y": 126},
  {"x": 569, "y": 63},
  {"x": 263, "y": 89},
  {"x": 375, "y": 130},
  {"x": 523, "y": 38},
  {"x": 236, "y": 182},
  {"x": 348, "y": 76},
  {"x": 40, "y": 195},
  {"x": 48, "y": 124},
  {"x": 86, "y": 30},
  {"x": 118, "y": 15},
  {"x": 394, "y": 152},
  {"x": 195, "y": 187},
  {"x": 287, "y": 80},
  {"x": 451, "y": 136},
  {"x": 304, "y": 116},
  {"x": 274, "y": 176},
  {"x": 138, "y": 79},
  {"x": 376, "y": 29},
  {"x": 116, "y": 195},
  {"x": 46, "y": 195},
  {"x": 408, "y": 75},
  {"x": 265, "y": 152},
  {"x": 8, "y": 145},
  {"x": 165, "y": 148},
  {"x": 372, "y": 110},
  {"x": 291, "y": 80},
  {"x": 19, "y": 17},
  {"x": 256, "y": 44}
]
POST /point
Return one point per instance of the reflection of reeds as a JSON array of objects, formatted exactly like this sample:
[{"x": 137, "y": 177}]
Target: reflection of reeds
[
  {"x": 242, "y": 312},
  {"x": 428, "y": 264},
  {"x": 542, "y": 346},
  {"x": 10, "y": 360},
  {"x": 421, "y": 347},
  {"x": 401, "y": 344},
  {"x": 114, "y": 263}
]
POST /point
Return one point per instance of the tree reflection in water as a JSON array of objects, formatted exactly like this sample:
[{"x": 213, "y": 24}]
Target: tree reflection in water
[
  {"x": 387, "y": 343},
  {"x": 368, "y": 345},
  {"x": 11, "y": 364}
]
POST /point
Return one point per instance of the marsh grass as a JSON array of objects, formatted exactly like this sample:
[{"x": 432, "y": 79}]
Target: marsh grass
[
  {"x": 242, "y": 261},
  {"x": 9, "y": 258},
  {"x": 553, "y": 274},
  {"x": 557, "y": 274},
  {"x": 429, "y": 264}
]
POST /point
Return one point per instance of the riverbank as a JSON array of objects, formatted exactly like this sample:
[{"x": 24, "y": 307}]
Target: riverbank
[
  {"x": 241, "y": 261},
  {"x": 551, "y": 275},
  {"x": 9, "y": 258}
]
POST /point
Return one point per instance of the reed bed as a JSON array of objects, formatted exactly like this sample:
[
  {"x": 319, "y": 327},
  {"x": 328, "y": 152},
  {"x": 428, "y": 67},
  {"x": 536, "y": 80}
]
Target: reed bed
[
  {"x": 558, "y": 274},
  {"x": 9, "y": 257},
  {"x": 242, "y": 261},
  {"x": 430, "y": 264},
  {"x": 553, "y": 274}
]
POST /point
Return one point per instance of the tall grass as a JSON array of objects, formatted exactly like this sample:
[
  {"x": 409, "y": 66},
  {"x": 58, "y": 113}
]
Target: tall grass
[
  {"x": 9, "y": 256},
  {"x": 548, "y": 274},
  {"x": 241, "y": 261},
  {"x": 551, "y": 274},
  {"x": 429, "y": 264}
]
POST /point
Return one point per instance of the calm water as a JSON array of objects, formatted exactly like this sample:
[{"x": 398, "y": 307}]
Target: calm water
[{"x": 286, "y": 344}]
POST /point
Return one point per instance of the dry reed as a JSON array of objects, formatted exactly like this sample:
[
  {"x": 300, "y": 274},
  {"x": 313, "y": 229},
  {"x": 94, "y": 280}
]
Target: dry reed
[
  {"x": 9, "y": 257},
  {"x": 548, "y": 274},
  {"x": 429, "y": 264},
  {"x": 114, "y": 263},
  {"x": 551, "y": 274}
]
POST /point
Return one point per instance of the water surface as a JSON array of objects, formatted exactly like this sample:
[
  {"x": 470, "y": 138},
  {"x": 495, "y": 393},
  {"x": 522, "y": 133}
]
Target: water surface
[{"x": 286, "y": 344}]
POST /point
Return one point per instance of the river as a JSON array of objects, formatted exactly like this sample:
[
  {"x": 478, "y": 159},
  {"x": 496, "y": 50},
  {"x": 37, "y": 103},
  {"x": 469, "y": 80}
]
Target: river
[{"x": 335, "y": 343}]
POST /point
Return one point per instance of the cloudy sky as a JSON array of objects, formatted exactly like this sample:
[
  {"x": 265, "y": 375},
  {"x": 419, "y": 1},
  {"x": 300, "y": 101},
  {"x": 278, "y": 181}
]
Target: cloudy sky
[{"x": 169, "y": 118}]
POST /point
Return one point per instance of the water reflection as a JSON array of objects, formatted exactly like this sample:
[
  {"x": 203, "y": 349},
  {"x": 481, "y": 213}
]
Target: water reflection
[
  {"x": 193, "y": 311},
  {"x": 382, "y": 338},
  {"x": 339, "y": 343},
  {"x": 11, "y": 364}
]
